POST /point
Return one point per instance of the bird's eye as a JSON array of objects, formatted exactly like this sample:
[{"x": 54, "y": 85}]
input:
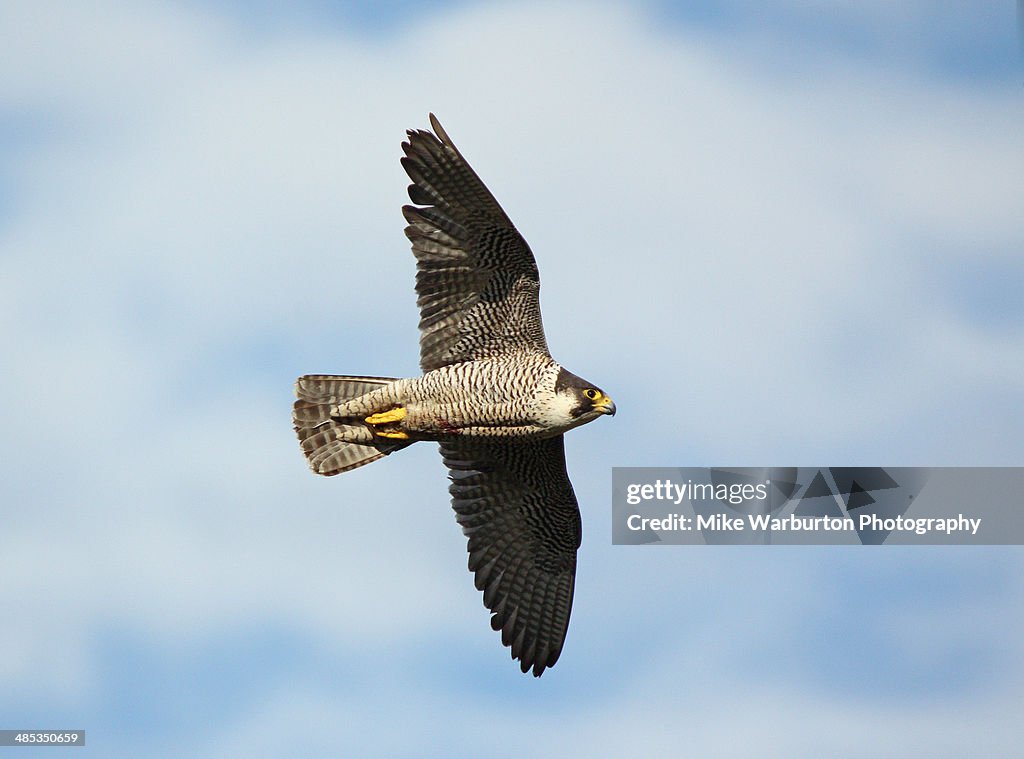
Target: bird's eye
[{"x": 591, "y": 393}]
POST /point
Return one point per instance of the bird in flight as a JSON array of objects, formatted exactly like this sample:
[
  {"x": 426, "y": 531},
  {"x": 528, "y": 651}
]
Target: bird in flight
[{"x": 490, "y": 394}]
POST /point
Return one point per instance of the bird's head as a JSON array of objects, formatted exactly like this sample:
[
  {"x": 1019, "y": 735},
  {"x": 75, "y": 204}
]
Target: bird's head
[{"x": 579, "y": 400}]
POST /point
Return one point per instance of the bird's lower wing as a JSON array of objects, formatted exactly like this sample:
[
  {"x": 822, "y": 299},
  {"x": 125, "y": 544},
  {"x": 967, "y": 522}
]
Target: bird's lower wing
[{"x": 517, "y": 507}]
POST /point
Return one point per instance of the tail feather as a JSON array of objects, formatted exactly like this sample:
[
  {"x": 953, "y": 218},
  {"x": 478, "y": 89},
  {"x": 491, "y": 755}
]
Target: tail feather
[{"x": 330, "y": 445}]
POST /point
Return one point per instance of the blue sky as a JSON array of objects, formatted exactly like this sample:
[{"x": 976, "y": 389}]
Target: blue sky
[{"x": 776, "y": 233}]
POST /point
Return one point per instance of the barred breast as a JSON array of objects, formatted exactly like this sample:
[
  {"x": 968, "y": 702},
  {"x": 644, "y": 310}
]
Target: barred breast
[{"x": 483, "y": 398}]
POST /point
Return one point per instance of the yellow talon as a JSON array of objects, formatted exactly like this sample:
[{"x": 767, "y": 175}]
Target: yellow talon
[
  {"x": 394, "y": 415},
  {"x": 388, "y": 418}
]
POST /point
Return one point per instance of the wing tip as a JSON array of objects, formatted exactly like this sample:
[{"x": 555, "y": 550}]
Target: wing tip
[
  {"x": 436, "y": 133},
  {"x": 539, "y": 664},
  {"x": 442, "y": 135}
]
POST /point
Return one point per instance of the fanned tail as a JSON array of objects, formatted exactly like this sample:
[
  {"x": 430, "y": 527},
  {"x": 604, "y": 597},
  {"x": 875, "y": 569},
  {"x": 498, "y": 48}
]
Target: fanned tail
[{"x": 330, "y": 445}]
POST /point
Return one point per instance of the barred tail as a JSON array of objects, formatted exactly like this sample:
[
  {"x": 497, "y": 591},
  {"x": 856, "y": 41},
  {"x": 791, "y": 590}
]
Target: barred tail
[{"x": 329, "y": 444}]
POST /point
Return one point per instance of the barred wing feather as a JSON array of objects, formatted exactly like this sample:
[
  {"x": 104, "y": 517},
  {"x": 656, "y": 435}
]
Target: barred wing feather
[{"x": 517, "y": 507}]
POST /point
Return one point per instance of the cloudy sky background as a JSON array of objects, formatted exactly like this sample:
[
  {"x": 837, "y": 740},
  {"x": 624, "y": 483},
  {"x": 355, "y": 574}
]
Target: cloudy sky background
[{"x": 776, "y": 233}]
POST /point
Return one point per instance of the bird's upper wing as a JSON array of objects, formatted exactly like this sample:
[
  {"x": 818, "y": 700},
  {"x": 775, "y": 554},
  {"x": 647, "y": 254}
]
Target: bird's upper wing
[
  {"x": 517, "y": 507},
  {"x": 476, "y": 277}
]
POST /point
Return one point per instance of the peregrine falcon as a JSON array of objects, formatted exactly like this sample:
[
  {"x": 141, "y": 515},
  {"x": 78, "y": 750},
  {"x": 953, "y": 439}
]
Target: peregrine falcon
[{"x": 490, "y": 395}]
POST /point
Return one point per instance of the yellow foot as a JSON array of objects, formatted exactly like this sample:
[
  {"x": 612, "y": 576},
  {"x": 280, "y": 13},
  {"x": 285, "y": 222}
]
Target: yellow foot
[
  {"x": 386, "y": 423},
  {"x": 385, "y": 417}
]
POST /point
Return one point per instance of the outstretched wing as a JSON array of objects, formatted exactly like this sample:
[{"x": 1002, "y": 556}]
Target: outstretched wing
[
  {"x": 517, "y": 507},
  {"x": 476, "y": 277}
]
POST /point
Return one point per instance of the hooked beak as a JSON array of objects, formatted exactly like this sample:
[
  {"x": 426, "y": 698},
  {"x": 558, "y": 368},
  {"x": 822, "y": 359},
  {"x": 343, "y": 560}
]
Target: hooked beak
[{"x": 606, "y": 406}]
